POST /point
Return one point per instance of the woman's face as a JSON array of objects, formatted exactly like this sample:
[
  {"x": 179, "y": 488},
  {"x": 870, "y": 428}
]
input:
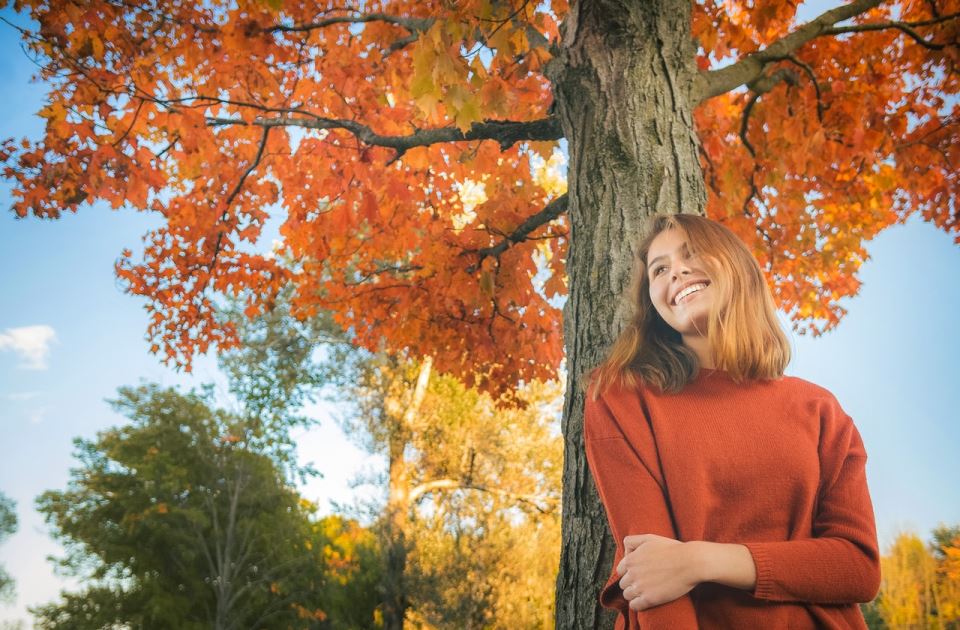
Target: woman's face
[{"x": 672, "y": 272}]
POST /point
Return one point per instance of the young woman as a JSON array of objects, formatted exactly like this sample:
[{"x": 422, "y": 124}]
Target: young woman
[{"x": 736, "y": 495}]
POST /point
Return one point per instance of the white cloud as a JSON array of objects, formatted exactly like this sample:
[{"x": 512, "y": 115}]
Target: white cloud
[{"x": 32, "y": 343}]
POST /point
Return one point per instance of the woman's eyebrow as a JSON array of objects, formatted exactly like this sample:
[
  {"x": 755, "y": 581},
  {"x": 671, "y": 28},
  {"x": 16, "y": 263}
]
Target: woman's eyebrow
[{"x": 650, "y": 264}]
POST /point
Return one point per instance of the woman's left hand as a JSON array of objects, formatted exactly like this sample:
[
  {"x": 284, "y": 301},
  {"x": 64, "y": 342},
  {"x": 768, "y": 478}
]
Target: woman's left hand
[{"x": 655, "y": 570}]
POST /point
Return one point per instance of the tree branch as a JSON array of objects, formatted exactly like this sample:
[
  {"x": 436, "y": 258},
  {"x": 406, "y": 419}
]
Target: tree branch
[
  {"x": 411, "y": 24},
  {"x": 716, "y": 82},
  {"x": 906, "y": 27},
  {"x": 505, "y": 132},
  {"x": 550, "y": 212},
  {"x": 760, "y": 86},
  {"x": 236, "y": 191},
  {"x": 414, "y": 25},
  {"x": 816, "y": 85},
  {"x": 455, "y": 484}
]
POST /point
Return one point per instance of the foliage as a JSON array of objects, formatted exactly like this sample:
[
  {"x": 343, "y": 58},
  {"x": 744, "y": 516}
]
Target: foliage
[
  {"x": 920, "y": 586},
  {"x": 476, "y": 483},
  {"x": 351, "y": 560},
  {"x": 477, "y": 567},
  {"x": 471, "y": 470},
  {"x": 401, "y": 141},
  {"x": 8, "y": 525},
  {"x": 173, "y": 521},
  {"x": 281, "y": 364}
]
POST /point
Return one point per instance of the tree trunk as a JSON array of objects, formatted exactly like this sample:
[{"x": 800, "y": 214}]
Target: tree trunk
[
  {"x": 395, "y": 552},
  {"x": 396, "y": 543},
  {"x": 622, "y": 86}
]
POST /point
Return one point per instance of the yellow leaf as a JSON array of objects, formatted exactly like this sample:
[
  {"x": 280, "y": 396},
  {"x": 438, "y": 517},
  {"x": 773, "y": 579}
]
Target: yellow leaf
[
  {"x": 467, "y": 115},
  {"x": 486, "y": 283}
]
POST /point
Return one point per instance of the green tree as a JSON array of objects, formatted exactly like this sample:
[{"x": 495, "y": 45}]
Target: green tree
[
  {"x": 176, "y": 521},
  {"x": 8, "y": 525}
]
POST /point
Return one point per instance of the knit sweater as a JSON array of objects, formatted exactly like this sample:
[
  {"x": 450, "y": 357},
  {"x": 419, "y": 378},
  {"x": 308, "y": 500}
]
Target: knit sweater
[{"x": 777, "y": 466}]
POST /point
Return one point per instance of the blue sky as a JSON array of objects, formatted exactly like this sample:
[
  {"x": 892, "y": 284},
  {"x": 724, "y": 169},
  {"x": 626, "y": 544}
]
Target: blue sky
[{"x": 69, "y": 337}]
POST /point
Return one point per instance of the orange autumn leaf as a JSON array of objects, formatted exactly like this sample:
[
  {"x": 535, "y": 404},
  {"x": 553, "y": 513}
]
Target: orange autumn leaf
[{"x": 361, "y": 130}]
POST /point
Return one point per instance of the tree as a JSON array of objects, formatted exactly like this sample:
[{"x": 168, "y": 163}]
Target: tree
[
  {"x": 467, "y": 481},
  {"x": 173, "y": 521},
  {"x": 371, "y": 127},
  {"x": 478, "y": 566},
  {"x": 352, "y": 572},
  {"x": 907, "y": 573},
  {"x": 921, "y": 584},
  {"x": 945, "y": 548},
  {"x": 8, "y": 525}
]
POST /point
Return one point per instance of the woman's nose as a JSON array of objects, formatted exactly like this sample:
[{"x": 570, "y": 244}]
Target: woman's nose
[{"x": 681, "y": 269}]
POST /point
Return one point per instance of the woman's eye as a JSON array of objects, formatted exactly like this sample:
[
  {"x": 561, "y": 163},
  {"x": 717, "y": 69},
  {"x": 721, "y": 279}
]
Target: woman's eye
[{"x": 657, "y": 270}]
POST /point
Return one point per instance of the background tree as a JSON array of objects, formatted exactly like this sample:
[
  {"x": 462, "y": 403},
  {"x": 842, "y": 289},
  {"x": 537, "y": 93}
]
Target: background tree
[
  {"x": 479, "y": 566},
  {"x": 283, "y": 363},
  {"x": 920, "y": 586},
  {"x": 467, "y": 480},
  {"x": 368, "y": 124},
  {"x": 945, "y": 548},
  {"x": 173, "y": 521},
  {"x": 8, "y": 525},
  {"x": 352, "y": 572},
  {"x": 461, "y": 473},
  {"x": 907, "y": 571}
]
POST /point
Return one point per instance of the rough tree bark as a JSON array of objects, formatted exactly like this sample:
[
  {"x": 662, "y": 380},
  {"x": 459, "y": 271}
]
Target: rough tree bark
[{"x": 623, "y": 84}]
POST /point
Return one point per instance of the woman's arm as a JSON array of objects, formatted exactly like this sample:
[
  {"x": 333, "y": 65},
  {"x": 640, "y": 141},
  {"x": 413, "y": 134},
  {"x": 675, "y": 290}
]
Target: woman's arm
[
  {"x": 634, "y": 503},
  {"x": 723, "y": 563},
  {"x": 839, "y": 564}
]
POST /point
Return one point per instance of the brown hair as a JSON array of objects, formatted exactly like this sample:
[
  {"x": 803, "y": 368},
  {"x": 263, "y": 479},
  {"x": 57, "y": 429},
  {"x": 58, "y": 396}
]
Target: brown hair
[{"x": 746, "y": 339}]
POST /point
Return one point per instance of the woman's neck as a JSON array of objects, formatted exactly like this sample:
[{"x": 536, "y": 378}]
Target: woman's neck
[{"x": 701, "y": 347}]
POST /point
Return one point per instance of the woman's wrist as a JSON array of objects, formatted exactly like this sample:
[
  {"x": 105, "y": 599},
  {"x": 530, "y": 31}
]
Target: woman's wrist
[{"x": 724, "y": 563}]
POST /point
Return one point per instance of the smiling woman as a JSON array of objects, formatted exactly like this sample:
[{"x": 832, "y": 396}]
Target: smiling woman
[
  {"x": 730, "y": 322},
  {"x": 737, "y": 495}
]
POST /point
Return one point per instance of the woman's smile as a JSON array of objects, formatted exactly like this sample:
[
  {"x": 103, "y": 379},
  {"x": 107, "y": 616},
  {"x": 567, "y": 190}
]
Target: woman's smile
[{"x": 690, "y": 294}]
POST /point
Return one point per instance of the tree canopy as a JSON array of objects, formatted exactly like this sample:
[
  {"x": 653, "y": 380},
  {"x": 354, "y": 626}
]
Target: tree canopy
[
  {"x": 401, "y": 144},
  {"x": 176, "y": 521}
]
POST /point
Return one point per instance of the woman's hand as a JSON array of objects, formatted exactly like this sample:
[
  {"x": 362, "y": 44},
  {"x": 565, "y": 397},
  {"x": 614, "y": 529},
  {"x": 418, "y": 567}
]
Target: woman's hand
[{"x": 656, "y": 570}]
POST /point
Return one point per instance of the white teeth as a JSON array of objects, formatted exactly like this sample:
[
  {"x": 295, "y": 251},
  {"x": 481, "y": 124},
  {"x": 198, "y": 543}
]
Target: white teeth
[{"x": 691, "y": 289}]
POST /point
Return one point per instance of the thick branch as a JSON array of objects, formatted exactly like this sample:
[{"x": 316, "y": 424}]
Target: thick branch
[
  {"x": 550, "y": 212},
  {"x": 505, "y": 132},
  {"x": 716, "y": 82}
]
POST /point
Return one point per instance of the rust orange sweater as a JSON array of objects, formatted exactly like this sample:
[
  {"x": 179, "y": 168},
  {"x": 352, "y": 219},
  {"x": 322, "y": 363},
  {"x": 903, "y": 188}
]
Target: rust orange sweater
[{"x": 774, "y": 465}]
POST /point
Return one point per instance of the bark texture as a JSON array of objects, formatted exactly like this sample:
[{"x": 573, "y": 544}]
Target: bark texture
[{"x": 623, "y": 84}]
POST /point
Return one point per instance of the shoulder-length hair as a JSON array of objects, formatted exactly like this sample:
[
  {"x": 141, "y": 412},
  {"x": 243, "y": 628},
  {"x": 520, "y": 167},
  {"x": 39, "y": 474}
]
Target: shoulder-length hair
[{"x": 745, "y": 337}]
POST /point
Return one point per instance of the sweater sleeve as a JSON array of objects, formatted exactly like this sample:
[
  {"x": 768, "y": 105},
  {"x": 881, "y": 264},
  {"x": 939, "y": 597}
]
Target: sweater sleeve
[
  {"x": 635, "y": 504},
  {"x": 840, "y": 564}
]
